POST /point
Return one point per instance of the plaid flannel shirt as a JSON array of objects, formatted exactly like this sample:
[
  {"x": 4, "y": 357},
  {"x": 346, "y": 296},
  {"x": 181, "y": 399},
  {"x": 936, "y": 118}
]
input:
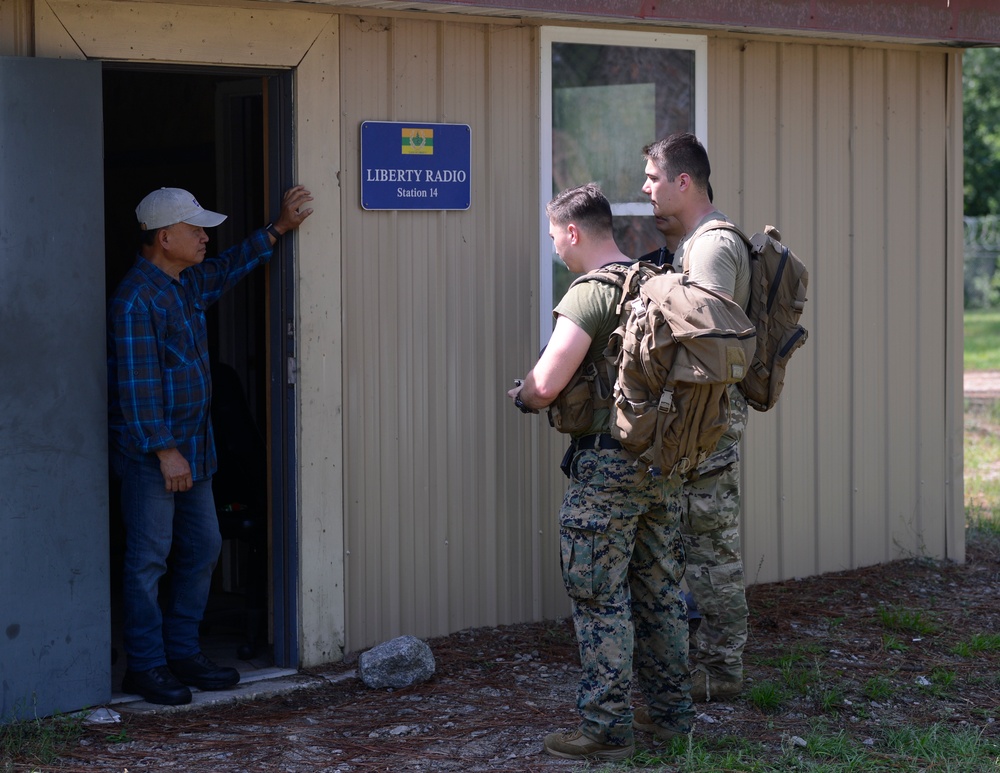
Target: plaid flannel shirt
[{"x": 159, "y": 380}]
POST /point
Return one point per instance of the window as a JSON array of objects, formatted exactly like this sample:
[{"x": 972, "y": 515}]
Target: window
[{"x": 605, "y": 95}]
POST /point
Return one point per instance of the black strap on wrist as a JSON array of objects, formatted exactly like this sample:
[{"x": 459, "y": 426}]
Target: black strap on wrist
[{"x": 273, "y": 231}]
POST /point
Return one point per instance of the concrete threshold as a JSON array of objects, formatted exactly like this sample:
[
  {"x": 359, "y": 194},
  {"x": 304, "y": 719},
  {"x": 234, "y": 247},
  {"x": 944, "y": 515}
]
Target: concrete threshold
[{"x": 260, "y": 683}]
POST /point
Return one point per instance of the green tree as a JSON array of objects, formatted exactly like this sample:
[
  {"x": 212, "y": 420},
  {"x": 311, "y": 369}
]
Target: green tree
[{"x": 981, "y": 108}]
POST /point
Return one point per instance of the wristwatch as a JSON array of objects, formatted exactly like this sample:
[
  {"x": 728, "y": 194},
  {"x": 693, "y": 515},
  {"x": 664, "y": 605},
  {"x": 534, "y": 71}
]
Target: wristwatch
[
  {"x": 273, "y": 231},
  {"x": 520, "y": 404}
]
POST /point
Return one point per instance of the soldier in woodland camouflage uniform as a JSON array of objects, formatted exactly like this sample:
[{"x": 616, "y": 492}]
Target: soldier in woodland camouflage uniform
[
  {"x": 621, "y": 551},
  {"x": 711, "y": 527},
  {"x": 677, "y": 172}
]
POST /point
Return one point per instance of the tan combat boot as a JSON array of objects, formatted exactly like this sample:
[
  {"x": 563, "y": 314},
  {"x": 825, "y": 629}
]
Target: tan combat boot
[
  {"x": 576, "y": 746},
  {"x": 641, "y": 720}
]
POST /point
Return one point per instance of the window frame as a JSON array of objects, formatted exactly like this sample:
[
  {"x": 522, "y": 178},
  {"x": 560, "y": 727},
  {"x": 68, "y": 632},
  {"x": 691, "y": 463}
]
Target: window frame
[{"x": 603, "y": 37}]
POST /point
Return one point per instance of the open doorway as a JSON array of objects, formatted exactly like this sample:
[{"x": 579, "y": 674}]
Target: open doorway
[{"x": 207, "y": 132}]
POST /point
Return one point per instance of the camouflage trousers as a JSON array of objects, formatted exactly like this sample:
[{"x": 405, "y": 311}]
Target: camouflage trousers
[
  {"x": 710, "y": 523},
  {"x": 622, "y": 562}
]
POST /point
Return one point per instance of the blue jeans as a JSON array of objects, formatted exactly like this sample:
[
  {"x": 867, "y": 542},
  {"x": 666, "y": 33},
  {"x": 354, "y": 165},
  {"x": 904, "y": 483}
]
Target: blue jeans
[{"x": 179, "y": 531}]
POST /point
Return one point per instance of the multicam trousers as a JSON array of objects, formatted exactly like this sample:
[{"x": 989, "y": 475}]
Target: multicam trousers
[
  {"x": 710, "y": 523},
  {"x": 622, "y": 561}
]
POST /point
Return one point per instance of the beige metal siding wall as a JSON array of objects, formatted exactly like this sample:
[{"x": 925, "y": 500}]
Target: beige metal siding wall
[
  {"x": 441, "y": 498},
  {"x": 846, "y": 149}
]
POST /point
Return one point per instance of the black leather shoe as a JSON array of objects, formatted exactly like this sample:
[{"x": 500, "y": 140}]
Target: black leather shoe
[
  {"x": 198, "y": 671},
  {"x": 157, "y": 685}
]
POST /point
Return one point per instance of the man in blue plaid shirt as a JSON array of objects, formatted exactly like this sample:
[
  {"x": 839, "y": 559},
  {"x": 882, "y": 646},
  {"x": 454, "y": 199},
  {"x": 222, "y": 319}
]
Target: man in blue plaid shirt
[{"x": 162, "y": 447}]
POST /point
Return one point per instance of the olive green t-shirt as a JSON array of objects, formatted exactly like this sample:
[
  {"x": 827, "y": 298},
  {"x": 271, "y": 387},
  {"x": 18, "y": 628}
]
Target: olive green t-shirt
[
  {"x": 591, "y": 306},
  {"x": 718, "y": 260}
]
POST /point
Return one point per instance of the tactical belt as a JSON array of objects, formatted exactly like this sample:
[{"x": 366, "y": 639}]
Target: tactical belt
[
  {"x": 587, "y": 443},
  {"x": 591, "y": 442}
]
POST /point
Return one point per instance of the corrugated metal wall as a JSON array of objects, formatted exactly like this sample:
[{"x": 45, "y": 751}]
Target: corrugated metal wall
[
  {"x": 451, "y": 496},
  {"x": 846, "y": 149},
  {"x": 442, "y": 500}
]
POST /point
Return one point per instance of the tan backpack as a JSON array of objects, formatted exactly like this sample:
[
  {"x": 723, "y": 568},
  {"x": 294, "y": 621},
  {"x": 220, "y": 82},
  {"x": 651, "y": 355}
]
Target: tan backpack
[
  {"x": 676, "y": 348},
  {"x": 778, "y": 281},
  {"x": 679, "y": 347}
]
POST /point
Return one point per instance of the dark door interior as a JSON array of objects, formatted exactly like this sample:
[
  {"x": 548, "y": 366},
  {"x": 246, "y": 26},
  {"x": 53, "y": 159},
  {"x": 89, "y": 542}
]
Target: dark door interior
[{"x": 205, "y": 132}]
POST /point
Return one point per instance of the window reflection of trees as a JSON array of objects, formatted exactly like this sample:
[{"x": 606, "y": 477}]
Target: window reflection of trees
[{"x": 581, "y": 66}]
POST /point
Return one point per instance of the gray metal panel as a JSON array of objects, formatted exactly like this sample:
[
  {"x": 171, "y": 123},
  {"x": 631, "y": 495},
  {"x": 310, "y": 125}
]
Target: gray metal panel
[{"x": 55, "y": 631}]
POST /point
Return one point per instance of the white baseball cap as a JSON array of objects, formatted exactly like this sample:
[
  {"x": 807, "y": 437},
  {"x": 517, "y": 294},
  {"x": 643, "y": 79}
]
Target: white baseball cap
[{"x": 174, "y": 205}]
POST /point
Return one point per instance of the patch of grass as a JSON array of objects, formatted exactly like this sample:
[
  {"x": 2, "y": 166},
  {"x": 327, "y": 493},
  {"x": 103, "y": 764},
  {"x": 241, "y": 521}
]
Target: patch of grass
[
  {"x": 907, "y": 621},
  {"x": 832, "y": 700},
  {"x": 121, "y": 736},
  {"x": 792, "y": 659},
  {"x": 766, "y": 696},
  {"x": 878, "y": 688},
  {"x": 985, "y": 532},
  {"x": 796, "y": 679},
  {"x": 937, "y": 744},
  {"x": 943, "y": 677},
  {"x": 830, "y": 744},
  {"x": 39, "y": 741},
  {"x": 978, "y": 642},
  {"x": 982, "y": 331},
  {"x": 825, "y": 749},
  {"x": 987, "y": 528},
  {"x": 982, "y": 464},
  {"x": 892, "y": 643}
]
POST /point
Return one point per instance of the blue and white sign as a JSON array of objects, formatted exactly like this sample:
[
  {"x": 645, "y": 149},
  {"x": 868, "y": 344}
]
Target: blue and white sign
[{"x": 416, "y": 165}]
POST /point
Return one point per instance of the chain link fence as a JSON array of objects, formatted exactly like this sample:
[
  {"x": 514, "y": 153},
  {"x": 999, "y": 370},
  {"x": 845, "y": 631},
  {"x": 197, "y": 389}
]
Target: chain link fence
[{"x": 982, "y": 262}]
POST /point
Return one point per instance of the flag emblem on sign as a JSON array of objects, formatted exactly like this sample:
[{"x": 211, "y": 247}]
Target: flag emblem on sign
[{"x": 418, "y": 141}]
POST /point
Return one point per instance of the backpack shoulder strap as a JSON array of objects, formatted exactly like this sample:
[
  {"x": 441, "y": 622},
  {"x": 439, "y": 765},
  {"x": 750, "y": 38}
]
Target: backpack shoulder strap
[
  {"x": 714, "y": 225},
  {"x": 625, "y": 276},
  {"x": 611, "y": 273}
]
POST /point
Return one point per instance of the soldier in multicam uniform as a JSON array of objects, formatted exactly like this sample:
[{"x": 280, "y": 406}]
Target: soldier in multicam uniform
[
  {"x": 677, "y": 172},
  {"x": 621, "y": 551}
]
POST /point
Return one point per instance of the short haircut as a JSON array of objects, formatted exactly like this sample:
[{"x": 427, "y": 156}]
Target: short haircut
[
  {"x": 681, "y": 153},
  {"x": 147, "y": 237},
  {"x": 586, "y": 206}
]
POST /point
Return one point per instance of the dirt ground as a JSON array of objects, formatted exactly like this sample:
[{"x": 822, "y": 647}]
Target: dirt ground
[
  {"x": 982, "y": 384},
  {"x": 497, "y": 691}
]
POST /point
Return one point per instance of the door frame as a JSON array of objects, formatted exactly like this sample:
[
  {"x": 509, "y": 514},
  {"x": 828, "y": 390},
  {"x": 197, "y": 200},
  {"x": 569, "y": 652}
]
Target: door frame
[
  {"x": 282, "y": 367},
  {"x": 279, "y": 342},
  {"x": 274, "y": 37}
]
